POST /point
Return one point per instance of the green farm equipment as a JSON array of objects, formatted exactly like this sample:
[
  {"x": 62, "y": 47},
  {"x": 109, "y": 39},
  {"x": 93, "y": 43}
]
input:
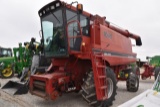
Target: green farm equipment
[
  {"x": 6, "y": 62},
  {"x": 22, "y": 58},
  {"x": 152, "y": 67},
  {"x": 27, "y": 60}
]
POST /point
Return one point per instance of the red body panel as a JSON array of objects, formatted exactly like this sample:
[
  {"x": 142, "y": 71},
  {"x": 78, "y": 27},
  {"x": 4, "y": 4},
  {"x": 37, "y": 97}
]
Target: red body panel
[
  {"x": 114, "y": 41},
  {"x": 117, "y": 48}
]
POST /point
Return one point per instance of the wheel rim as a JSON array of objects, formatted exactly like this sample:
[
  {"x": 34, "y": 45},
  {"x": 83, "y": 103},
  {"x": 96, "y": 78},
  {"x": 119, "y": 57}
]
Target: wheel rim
[
  {"x": 110, "y": 87},
  {"x": 7, "y": 72}
]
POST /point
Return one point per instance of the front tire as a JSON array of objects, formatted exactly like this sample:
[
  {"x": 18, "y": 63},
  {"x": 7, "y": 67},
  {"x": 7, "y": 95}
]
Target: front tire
[{"x": 89, "y": 91}]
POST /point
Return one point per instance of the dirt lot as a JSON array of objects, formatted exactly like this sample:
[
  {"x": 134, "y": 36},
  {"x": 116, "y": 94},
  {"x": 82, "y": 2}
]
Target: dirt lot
[{"x": 67, "y": 100}]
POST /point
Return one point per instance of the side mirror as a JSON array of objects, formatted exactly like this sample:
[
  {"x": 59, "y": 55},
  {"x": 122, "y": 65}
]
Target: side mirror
[
  {"x": 40, "y": 47},
  {"x": 42, "y": 40},
  {"x": 40, "y": 33}
]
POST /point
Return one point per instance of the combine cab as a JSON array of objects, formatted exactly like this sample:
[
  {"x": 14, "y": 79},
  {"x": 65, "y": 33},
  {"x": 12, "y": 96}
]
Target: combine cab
[{"x": 88, "y": 54}]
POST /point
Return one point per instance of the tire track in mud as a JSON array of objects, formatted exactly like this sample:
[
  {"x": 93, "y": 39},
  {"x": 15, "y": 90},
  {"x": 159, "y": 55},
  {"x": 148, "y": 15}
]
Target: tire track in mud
[{"x": 14, "y": 100}]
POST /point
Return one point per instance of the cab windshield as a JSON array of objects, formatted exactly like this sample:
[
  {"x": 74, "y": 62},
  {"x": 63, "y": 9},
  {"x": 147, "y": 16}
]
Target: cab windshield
[
  {"x": 5, "y": 52},
  {"x": 53, "y": 34}
]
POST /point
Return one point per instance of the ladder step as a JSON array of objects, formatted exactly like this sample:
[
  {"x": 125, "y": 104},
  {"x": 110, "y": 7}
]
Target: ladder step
[
  {"x": 87, "y": 83},
  {"x": 93, "y": 102},
  {"x": 103, "y": 87},
  {"x": 101, "y": 77},
  {"x": 90, "y": 75},
  {"x": 98, "y": 56},
  {"x": 105, "y": 98},
  {"x": 101, "y": 66},
  {"x": 91, "y": 95},
  {"x": 85, "y": 98},
  {"x": 97, "y": 53},
  {"x": 85, "y": 90}
]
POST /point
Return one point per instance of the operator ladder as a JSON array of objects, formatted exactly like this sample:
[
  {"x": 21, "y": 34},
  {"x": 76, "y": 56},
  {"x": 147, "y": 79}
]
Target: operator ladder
[{"x": 100, "y": 74}]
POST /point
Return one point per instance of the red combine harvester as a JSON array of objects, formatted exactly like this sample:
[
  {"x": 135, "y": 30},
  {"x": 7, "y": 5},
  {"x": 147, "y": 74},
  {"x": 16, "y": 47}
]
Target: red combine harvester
[
  {"x": 151, "y": 67},
  {"x": 88, "y": 54}
]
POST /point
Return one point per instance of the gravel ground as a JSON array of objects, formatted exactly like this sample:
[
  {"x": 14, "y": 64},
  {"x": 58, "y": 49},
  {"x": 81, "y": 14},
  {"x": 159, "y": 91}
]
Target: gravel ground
[{"x": 67, "y": 100}]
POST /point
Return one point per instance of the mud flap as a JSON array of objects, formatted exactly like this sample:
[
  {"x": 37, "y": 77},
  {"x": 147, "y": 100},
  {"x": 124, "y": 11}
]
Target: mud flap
[{"x": 15, "y": 88}]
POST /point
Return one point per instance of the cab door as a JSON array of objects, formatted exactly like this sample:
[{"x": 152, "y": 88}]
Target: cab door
[{"x": 74, "y": 34}]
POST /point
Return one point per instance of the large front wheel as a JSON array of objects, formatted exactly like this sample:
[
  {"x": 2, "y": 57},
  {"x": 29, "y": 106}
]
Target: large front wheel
[
  {"x": 89, "y": 91},
  {"x": 8, "y": 72}
]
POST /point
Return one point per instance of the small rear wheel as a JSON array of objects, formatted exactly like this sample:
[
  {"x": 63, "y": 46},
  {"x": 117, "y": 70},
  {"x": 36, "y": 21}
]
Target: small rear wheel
[
  {"x": 89, "y": 91},
  {"x": 132, "y": 82}
]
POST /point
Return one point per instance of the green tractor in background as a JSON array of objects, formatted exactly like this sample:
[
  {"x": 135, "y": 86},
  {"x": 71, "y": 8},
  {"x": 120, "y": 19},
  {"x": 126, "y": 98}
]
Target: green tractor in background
[
  {"x": 26, "y": 62},
  {"x": 6, "y": 62},
  {"x": 22, "y": 59}
]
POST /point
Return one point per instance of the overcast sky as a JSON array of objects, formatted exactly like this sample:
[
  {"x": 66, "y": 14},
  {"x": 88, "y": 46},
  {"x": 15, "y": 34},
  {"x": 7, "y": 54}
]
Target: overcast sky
[{"x": 19, "y": 20}]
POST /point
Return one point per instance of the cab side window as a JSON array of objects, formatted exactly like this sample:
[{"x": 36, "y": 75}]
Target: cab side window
[{"x": 70, "y": 17}]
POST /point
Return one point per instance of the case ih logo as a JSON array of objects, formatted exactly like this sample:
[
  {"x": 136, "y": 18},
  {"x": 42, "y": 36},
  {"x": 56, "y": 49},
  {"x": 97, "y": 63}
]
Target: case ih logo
[{"x": 108, "y": 35}]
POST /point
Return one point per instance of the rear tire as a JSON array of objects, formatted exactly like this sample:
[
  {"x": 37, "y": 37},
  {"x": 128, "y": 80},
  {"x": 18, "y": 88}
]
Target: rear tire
[
  {"x": 156, "y": 72},
  {"x": 133, "y": 80},
  {"x": 89, "y": 91}
]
